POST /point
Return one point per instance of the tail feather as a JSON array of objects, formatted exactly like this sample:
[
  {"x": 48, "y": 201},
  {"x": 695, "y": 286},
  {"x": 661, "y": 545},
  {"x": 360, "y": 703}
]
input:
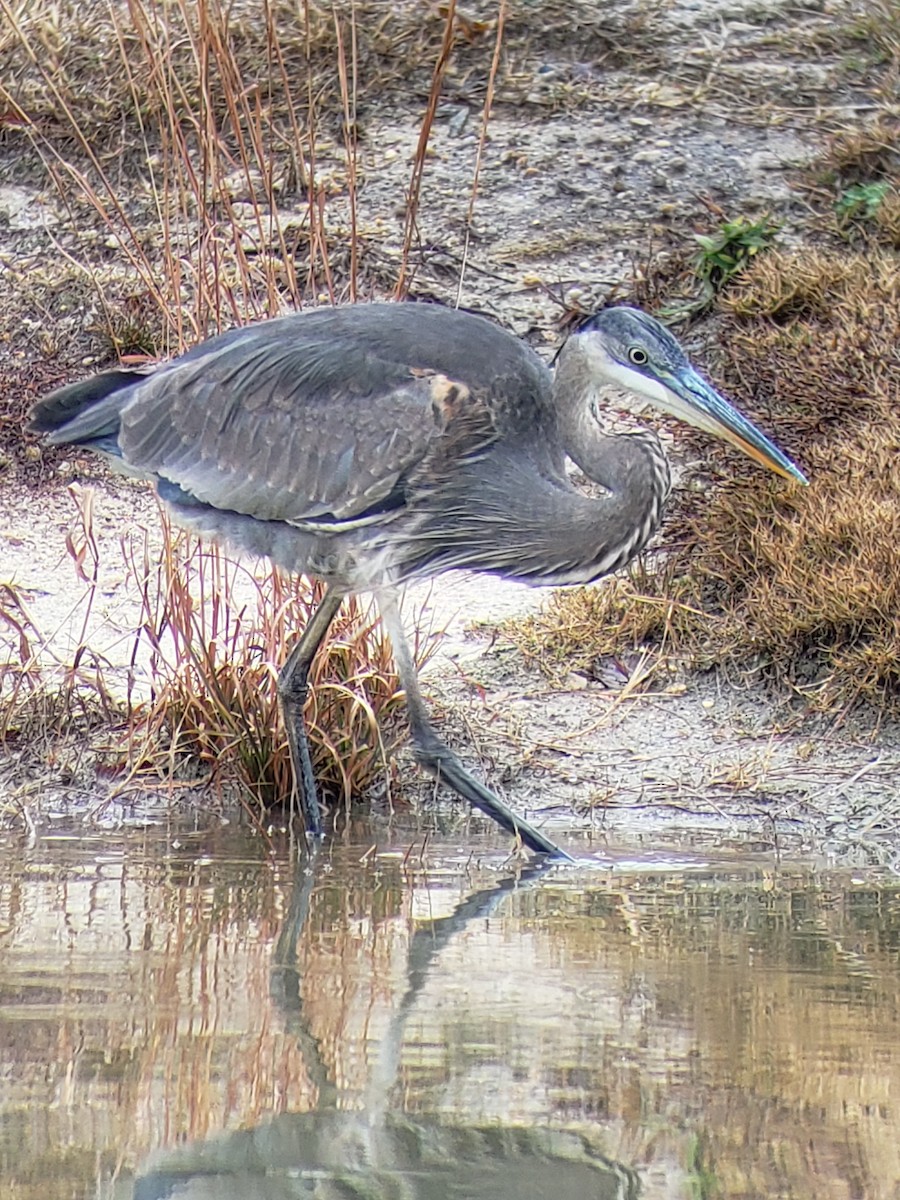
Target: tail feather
[{"x": 84, "y": 412}]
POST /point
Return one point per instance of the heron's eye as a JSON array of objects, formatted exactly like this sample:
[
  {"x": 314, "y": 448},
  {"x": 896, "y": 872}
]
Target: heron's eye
[{"x": 637, "y": 356}]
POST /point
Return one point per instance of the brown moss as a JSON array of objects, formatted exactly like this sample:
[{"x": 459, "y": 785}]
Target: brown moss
[{"x": 861, "y": 153}]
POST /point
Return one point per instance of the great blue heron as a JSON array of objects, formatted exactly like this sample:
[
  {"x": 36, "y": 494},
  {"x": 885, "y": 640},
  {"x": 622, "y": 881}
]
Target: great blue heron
[{"x": 373, "y": 444}]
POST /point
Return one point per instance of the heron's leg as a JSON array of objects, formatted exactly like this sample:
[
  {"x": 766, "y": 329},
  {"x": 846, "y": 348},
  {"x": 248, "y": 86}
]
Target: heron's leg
[
  {"x": 293, "y": 689},
  {"x": 436, "y": 756}
]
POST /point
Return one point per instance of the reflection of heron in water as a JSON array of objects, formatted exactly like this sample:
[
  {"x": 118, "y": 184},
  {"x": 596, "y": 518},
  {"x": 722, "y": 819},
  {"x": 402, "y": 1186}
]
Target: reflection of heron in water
[
  {"x": 375, "y": 1152},
  {"x": 374, "y": 444}
]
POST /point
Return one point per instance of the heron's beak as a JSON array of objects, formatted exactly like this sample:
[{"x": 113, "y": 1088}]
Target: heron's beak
[{"x": 693, "y": 400}]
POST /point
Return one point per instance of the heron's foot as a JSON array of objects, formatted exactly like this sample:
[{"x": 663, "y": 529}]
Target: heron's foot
[{"x": 439, "y": 760}]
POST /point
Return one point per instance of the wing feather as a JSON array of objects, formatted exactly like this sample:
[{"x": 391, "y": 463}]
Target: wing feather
[
  {"x": 263, "y": 431},
  {"x": 324, "y": 413}
]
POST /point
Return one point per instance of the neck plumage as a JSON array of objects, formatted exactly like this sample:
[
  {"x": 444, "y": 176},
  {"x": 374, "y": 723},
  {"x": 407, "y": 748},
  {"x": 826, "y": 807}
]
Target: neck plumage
[{"x": 631, "y": 468}]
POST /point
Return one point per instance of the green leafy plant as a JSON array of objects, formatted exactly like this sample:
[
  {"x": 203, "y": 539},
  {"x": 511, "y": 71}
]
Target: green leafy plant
[
  {"x": 860, "y": 202},
  {"x": 727, "y": 251},
  {"x": 723, "y": 254}
]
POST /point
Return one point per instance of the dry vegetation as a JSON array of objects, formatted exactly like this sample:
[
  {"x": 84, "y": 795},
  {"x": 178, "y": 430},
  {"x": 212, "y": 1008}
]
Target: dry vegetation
[
  {"x": 59, "y": 54},
  {"x": 210, "y": 636},
  {"x": 218, "y": 633},
  {"x": 802, "y": 584}
]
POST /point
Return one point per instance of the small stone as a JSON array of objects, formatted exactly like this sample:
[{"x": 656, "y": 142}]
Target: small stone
[{"x": 647, "y": 156}]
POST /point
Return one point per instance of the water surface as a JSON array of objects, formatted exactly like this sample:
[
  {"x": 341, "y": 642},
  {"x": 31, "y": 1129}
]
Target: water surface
[{"x": 185, "y": 1013}]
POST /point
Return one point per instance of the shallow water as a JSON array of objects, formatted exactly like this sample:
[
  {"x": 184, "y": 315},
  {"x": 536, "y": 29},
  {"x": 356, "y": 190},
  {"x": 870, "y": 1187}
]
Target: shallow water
[{"x": 183, "y": 1014}]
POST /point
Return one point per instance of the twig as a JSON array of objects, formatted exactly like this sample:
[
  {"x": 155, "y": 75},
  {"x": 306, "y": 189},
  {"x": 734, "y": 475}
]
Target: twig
[
  {"x": 485, "y": 118},
  {"x": 415, "y": 183}
]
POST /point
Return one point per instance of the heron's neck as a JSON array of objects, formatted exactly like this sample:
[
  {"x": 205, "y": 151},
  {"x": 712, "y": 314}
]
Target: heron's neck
[
  {"x": 630, "y": 467},
  {"x": 575, "y": 387},
  {"x": 606, "y": 458}
]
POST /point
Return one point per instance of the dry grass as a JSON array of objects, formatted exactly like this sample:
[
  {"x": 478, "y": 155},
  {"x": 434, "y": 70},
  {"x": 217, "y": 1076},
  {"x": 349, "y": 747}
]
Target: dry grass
[
  {"x": 58, "y": 706},
  {"x": 860, "y": 153},
  {"x": 204, "y": 139},
  {"x": 30, "y": 709},
  {"x": 62, "y": 59},
  {"x": 208, "y": 642},
  {"x": 203, "y": 241},
  {"x": 218, "y": 631},
  {"x": 579, "y": 628},
  {"x": 803, "y": 583}
]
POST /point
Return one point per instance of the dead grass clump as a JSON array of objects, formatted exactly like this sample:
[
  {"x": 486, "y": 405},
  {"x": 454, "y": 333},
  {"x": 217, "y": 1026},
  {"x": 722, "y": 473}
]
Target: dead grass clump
[
  {"x": 579, "y": 628},
  {"x": 861, "y": 154},
  {"x": 55, "y": 720},
  {"x": 218, "y": 632},
  {"x": 786, "y": 285},
  {"x": 810, "y": 582},
  {"x": 810, "y": 342},
  {"x": 886, "y": 219},
  {"x": 200, "y": 695},
  {"x": 802, "y": 583}
]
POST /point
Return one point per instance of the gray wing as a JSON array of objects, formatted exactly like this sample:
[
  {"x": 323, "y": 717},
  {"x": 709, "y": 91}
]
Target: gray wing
[{"x": 292, "y": 423}]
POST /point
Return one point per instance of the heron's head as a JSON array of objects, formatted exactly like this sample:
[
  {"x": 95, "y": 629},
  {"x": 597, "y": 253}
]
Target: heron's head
[{"x": 631, "y": 350}]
